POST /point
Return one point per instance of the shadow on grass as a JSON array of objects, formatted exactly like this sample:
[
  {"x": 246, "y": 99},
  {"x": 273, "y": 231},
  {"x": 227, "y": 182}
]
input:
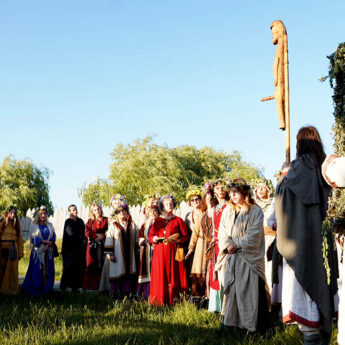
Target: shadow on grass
[{"x": 74, "y": 318}]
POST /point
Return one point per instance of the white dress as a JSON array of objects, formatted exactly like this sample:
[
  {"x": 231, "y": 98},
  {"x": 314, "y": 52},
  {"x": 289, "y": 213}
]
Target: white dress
[{"x": 341, "y": 320}]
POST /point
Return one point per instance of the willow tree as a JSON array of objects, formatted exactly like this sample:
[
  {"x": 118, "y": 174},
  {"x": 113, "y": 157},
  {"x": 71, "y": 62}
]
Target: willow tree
[
  {"x": 144, "y": 168},
  {"x": 23, "y": 185},
  {"x": 337, "y": 81}
]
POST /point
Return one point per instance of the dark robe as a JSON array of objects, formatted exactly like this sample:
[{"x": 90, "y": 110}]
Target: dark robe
[
  {"x": 301, "y": 204},
  {"x": 73, "y": 254}
]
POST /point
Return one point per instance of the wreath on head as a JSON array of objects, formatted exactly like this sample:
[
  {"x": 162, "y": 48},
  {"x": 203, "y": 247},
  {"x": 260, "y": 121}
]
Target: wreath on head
[
  {"x": 119, "y": 196},
  {"x": 193, "y": 192},
  {"x": 150, "y": 200},
  {"x": 239, "y": 183}
]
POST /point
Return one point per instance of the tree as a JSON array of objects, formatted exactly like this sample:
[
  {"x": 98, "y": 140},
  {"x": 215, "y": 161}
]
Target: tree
[
  {"x": 24, "y": 185},
  {"x": 337, "y": 81},
  {"x": 144, "y": 168}
]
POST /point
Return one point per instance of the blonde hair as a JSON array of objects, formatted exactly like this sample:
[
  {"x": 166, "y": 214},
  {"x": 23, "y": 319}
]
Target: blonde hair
[
  {"x": 37, "y": 216},
  {"x": 91, "y": 214}
]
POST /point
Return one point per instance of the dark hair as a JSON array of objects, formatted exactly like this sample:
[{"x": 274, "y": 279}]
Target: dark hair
[
  {"x": 244, "y": 189},
  {"x": 16, "y": 222},
  {"x": 121, "y": 208},
  {"x": 72, "y": 205},
  {"x": 239, "y": 183},
  {"x": 214, "y": 198},
  {"x": 309, "y": 142}
]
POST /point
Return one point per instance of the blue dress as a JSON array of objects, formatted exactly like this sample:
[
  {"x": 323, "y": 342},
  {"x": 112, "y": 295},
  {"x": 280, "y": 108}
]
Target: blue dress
[{"x": 40, "y": 275}]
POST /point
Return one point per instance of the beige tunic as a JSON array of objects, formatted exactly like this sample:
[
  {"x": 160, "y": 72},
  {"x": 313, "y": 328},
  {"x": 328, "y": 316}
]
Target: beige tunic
[
  {"x": 239, "y": 273},
  {"x": 113, "y": 244},
  {"x": 197, "y": 243}
]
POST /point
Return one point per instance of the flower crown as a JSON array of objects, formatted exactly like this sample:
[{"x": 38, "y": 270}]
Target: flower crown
[
  {"x": 241, "y": 184},
  {"x": 120, "y": 197},
  {"x": 207, "y": 187},
  {"x": 262, "y": 180},
  {"x": 224, "y": 181},
  {"x": 150, "y": 199},
  {"x": 193, "y": 192},
  {"x": 122, "y": 207}
]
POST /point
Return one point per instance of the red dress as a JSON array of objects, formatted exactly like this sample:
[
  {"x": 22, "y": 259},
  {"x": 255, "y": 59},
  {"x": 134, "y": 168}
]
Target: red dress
[
  {"x": 94, "y": 253},
  {"x": 168, "y": 276},
  {"x": 217, "y": 215}
]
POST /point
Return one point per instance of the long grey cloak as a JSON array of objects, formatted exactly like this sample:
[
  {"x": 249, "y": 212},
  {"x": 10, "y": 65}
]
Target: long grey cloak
[{"x": 301, "y": 204}]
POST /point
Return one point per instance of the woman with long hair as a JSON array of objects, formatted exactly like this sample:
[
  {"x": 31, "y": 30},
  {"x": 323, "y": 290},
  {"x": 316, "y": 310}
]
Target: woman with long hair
[
  {"x": 120, "y": 245},
  {"x": 168, "y": 272},
  {"x": 11, "y": 251},
  {"x": 95, "y": 231},
  {"x": 217, "y": 197},
  {"x": 262, "y": 197},
  {"x": 146, "y": 249},
  {"x": 40, "y": 275},
  {"x": 241, "y": 263},
  {"x": 301, "y": 205},
  {"x": 197, "y": 243}
]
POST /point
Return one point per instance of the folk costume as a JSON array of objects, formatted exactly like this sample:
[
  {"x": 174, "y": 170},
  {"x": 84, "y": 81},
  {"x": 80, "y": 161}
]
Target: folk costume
[
  {"x": 40, "y": 275},
  {"x": 212, "y": 282},
  {"x": 301, "y": 204},
  {"x": 270, "y": 235},
  {"x": 341, "y": 320},
  {"x": 11, "y": 250},
  {"x": 94, "y": 252},
  {"x": 168, "y": 276},
  {"x": 145, "y": 258},
  {"x": 197, "y": 243},
  {"x": 73, "y": 254},
  {"x": 276, "y": 263},
  {"x": 242, "y": 273},
  {"x": 120, "y": 274}
]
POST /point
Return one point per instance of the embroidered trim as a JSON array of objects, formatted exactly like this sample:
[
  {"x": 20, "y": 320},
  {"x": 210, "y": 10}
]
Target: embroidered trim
[{"x": 292, "y": 317}]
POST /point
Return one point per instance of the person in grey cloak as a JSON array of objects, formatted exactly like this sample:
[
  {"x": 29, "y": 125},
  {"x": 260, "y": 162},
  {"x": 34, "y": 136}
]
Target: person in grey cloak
[
  {"x": 240, "y": 263},
  {"x": 301, "y": 205}
]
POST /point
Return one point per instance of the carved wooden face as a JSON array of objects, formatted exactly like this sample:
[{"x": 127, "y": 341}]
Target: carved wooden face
[{"x": 276, "y": 33}]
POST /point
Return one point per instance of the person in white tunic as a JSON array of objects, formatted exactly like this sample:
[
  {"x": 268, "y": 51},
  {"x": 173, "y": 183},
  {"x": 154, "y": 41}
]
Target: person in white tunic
[
  {"x": 120, "y": 266},
  {"x": 301, "y": 204},
  {"x": 333, "y": 171},
  {"x": 241, "y": 264}
]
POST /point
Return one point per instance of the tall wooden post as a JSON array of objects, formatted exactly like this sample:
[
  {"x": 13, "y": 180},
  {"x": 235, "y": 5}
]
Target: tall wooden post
[
  {"x": 281, "y": 81},
  {"x": 287, "y": 102}
]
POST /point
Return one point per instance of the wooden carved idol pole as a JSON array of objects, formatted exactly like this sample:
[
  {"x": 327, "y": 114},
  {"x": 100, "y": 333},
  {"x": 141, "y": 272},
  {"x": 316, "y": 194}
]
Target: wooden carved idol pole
[{"x": 281, "y": 81}]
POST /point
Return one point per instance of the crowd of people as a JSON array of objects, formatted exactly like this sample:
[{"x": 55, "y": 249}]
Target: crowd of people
[{"x": 239, "y": 252}]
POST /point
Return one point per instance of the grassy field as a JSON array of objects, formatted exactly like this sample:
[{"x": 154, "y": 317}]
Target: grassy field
[
  {"x": 74, "y": 318},
  {"x": 24, "y": 262}
]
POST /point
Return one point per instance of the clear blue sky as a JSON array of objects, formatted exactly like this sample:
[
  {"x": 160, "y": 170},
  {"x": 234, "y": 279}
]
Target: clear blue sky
[{"x": 79, "y": 76}]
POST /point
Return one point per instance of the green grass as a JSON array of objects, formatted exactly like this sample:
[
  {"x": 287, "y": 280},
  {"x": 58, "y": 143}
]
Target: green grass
[
  {"x": 70, "y": 318},
  {"x": 86, "y": 319},
  {"x": 24, "y": 262}
]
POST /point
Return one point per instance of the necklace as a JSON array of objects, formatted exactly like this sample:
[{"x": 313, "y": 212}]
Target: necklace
[{"x": 219, "y": 209}]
